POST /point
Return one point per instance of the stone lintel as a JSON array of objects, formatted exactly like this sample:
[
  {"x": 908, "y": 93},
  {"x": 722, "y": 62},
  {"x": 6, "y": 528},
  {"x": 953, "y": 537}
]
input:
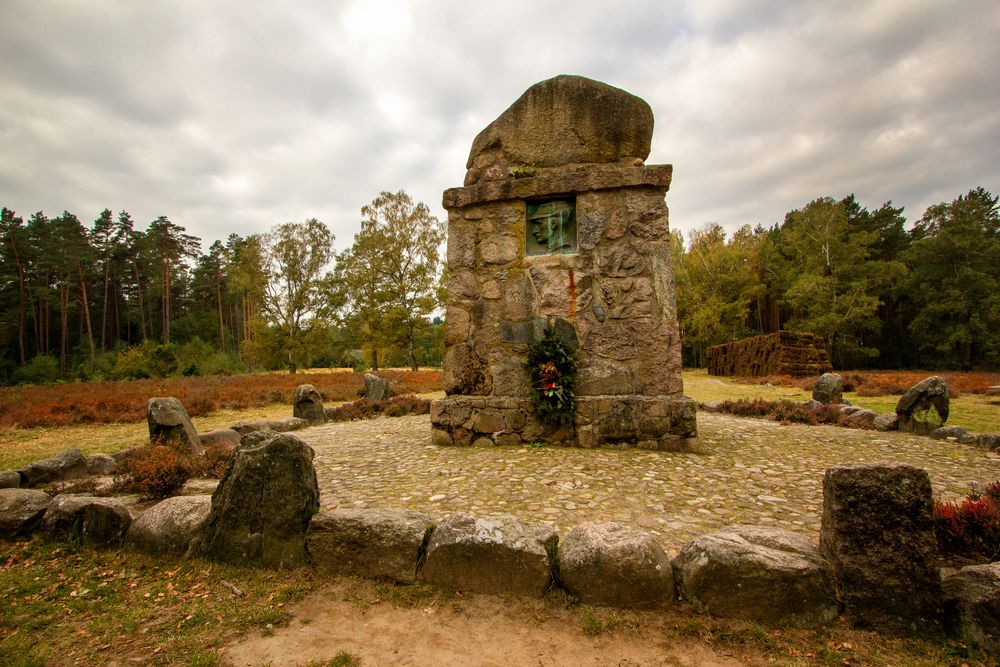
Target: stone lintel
[{"x": 595, "y": 177}]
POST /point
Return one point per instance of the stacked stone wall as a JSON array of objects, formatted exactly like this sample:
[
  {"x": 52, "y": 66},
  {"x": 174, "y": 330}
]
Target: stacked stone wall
[{"x": 781, "y": 353}]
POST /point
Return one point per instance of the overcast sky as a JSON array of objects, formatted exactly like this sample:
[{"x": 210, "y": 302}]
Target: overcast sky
[{"x": 233, "y": 116}]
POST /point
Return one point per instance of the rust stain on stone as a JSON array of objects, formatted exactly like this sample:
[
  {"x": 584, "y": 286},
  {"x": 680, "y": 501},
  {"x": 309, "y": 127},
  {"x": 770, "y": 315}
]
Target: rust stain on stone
[{"x": 572, "y": 295}]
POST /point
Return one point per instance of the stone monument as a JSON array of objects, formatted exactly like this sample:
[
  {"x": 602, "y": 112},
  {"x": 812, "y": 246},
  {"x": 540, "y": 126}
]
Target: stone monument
[{"x": 561, "y": 232}]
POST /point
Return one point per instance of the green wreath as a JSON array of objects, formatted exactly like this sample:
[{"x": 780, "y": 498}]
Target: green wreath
[{"x": 552, "y": 364}]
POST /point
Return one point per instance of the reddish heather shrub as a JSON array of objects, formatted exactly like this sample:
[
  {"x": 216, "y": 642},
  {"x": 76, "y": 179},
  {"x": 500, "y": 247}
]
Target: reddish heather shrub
[
  {"x": 213, "y": 462},
  {"x": 396, "y": 406},
  {"x": 156, "y": 471},
  {"x": 969, "y": 528},
  {"x": 107, "y": 401},
  {"x": 826, "y": 414},
  {"x": 786, "y": 411}
]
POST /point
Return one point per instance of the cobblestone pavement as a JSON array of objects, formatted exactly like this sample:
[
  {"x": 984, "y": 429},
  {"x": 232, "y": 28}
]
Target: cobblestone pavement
[{"x": 753, "y": 471}]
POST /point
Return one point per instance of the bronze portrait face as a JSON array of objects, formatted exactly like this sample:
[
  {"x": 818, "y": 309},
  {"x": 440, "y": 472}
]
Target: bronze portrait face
[{"x": 551, "y": 227}]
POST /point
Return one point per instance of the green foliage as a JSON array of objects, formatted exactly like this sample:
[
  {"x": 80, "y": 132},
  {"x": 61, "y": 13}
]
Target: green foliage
[
  {"x": 954, "y": 289},
  {"x": 717, "y": 281},
  {"x": 385, "y": 284},
  {"x": 552, "y": 365},
  {"x": 43, "y": 369},
  {"x": 162, "y": 361}
]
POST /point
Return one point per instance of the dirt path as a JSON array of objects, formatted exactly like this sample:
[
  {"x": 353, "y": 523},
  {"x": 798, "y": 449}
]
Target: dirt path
[{"x": 470, "y": 630}]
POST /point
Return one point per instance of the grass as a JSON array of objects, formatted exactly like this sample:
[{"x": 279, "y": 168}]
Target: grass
[{"x": 66, "y": 604}]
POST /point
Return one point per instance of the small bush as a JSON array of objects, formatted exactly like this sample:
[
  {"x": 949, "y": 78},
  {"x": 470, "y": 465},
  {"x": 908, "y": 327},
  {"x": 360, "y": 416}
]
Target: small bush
[
  {"x": 157, "y": 471},
  {"x": 970, "y": 528},
  {"x": 213, "y": 462},
  {"x": 397, "y": 406},
  {"x": 43, "y": 369}
]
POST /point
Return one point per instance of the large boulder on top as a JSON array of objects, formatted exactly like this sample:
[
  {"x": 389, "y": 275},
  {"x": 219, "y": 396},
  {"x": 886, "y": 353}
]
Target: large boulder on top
[
  {"x": 96, "y": 521},
  {"x": 829, "y": 388},
  {"x": 757, "y": 573},
  {"x": 169, "y": 424},
  {"x": 21, "y": 510},
  {"x": 972, "y": 606},
  {"x": 171, "y": 526},
  {"x": 878, "y": 534},
  {"x": 376, "y": 543},
  {"x": 493, "y": 554},
  {"x": 914, "y": 407},
  {"x": 608, "y": 563},
  {"x": 308, "y": 404},
  {"x": 560, "y": 121},
  {"x": 262, "y": 506},
  {"x": 70, "y": 464}
]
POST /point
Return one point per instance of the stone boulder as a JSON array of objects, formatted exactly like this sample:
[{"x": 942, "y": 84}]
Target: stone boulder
[
  {"x": 101, "y": 464},
  {"x": 287, "y": 424},
  {"x": 244, "y": 428},
  {"x": 829, "y": 388},
  {"x": 878, "y": 534},
  {"x": 308, "y": 403},
  {"x": 172, "y": 526},
  {"x": 757, "y": 573},
  {"x": 989, "y": 441},
  {"x": 376, "y": 543},
  {"x": 972, "y": 606},
  {"x": 70, "y": 464},
  {"x": 861, "y": 418},
  {"x": 496, "y": 554},
  {"x": 10, "y": 479},
  {"x": 915, "y": 405},
  {"x": 220, "y": 436},
  {"x": 376, "y": 388},
  {"x": 887, "y": 421},
  {"x": 263, "y": 504},
  {"x": 560, "y": 121},
  {"x": 169, "y": 424},
  {"x": 611, "y": 564},
  {"x": 96, "y": 521},
  {"x": 946, "y": 432},
  {"x": 21, "y": 511}
]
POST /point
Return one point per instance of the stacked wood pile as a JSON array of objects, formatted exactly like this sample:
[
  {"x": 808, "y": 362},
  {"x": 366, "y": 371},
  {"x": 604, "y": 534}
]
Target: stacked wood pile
[{"x": 781, "y": 353}]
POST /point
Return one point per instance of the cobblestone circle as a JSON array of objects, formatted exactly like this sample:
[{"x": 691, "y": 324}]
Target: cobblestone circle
[{"x": 753, "y": 471}]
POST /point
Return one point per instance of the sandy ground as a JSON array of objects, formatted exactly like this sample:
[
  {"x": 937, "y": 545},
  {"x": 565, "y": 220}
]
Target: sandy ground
[{"x": 466, "y": 630}]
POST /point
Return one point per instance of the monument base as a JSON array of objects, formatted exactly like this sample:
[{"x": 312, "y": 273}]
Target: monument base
[{"x": 666, "y": 423}]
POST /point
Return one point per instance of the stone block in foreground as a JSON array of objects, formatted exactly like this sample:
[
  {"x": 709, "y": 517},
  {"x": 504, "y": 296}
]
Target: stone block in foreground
[
  {"x": 495, "y": 554},
  {"x": 611, "y": 564},
  {"x": 972, "y": 606},
  {"x": 376, "y": 543},
  {"x": 757, "y": 573},
  {"x": 96, "y": 521},
  {"x": 171, "y": 526},
  {"x": 878, "y": 534},
  {"x": 262, "y": 506},
  {"x": 21, "y": 511}
]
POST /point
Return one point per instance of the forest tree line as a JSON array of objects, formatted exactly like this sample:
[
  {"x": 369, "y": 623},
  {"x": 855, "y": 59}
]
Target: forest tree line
[
  {"x": 106, "y": 300},
  {"x": 882, "y": 294}
]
